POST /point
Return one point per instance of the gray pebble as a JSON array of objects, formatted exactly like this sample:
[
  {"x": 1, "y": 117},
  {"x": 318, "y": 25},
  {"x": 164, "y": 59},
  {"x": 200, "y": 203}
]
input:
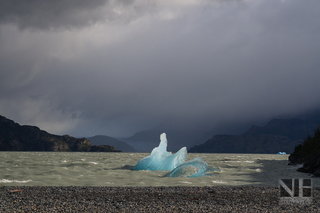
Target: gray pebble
[{"x": 148, "y": 199}]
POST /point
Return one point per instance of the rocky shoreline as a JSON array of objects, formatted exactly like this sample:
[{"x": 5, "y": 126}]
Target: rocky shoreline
[{"x": 148, "y": 199}]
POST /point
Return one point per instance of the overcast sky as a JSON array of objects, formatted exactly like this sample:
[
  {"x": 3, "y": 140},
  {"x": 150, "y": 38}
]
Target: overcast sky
[{"x": 115, "y": 67}]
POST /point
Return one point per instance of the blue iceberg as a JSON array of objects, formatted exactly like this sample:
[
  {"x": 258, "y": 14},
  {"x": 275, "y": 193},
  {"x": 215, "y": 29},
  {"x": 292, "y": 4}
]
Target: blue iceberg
[
  {"x": 194, "y": 168},
  {"x": 160, "y": 159},
  {"x": 282, "y": 153}
]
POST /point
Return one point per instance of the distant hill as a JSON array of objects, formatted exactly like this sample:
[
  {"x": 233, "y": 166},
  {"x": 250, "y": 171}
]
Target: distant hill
[
  {"x": 151, "y": 138},
  {"x": 278, "y": 135},
  {"x": 14, "y": 137},
  {"x": 106, "y": 140}
]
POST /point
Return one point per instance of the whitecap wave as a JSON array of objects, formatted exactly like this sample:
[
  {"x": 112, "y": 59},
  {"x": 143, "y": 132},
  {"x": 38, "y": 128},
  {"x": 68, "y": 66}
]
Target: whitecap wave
[
  {"x": 249, "y": 161},
  {"x": 218, "y": 181},
  {"x": 239, "y": 161},
  {"x": 14, "y": 181},
  {"x": 187, "y": 182}
]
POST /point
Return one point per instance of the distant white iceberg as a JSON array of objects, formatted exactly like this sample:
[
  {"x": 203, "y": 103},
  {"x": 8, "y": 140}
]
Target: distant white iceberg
[
  {"x": 160, "y": 159},
  {"x": 282, "y": 153}
]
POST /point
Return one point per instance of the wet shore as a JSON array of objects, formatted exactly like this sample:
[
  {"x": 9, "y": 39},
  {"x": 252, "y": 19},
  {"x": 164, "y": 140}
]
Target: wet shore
[{"x": 148, "y": 199}]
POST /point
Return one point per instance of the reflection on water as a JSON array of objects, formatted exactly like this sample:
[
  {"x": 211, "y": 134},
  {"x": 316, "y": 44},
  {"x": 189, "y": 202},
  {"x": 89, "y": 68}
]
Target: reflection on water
[{"x": 116, "y": 169}]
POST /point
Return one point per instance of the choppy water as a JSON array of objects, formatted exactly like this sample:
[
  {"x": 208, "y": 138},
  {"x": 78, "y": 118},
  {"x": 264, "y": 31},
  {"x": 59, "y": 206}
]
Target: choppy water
[{"x": 115, "y": 169}]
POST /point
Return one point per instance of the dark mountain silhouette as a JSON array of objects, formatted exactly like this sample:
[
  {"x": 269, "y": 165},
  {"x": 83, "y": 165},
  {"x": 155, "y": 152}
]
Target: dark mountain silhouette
[
  {"x": 278, "y": 135},
  {"x": 238, "y": 128},
  {"x": 148, "y": 139},
  {"x": 106, "y": 140},
  {"x": 14, "y": 137}
]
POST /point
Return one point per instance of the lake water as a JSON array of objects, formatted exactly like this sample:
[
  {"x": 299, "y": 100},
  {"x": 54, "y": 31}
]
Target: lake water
[{"x": 115, "y": 169}]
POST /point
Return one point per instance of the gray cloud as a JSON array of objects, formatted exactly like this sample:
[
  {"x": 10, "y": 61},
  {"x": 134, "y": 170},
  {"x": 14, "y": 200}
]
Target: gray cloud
[
  {"x": 37, "y": 14},
  {"x": 178, "y": 64}
]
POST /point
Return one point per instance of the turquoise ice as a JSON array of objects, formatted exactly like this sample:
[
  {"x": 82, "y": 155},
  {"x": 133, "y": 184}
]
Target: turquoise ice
[
  {"x": 282, "y": 153},
  {"x": 194, "y": 168},
  {"x": 161, "y": 159}
]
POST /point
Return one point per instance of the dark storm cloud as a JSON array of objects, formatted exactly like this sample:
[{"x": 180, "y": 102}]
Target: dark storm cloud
[
  {"x": 38, "y": 14},
  {"x": 181, "y": 64}
]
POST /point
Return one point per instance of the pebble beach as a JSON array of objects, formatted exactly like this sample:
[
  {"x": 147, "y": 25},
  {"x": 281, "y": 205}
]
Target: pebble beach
[{"x": 148, "y": 199}]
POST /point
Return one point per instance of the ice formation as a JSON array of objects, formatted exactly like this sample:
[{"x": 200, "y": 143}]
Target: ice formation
[
  {"x": 193, "y": 168},
  {"x": 282, "y": 153},
  {"x": 160, "y": 159}
]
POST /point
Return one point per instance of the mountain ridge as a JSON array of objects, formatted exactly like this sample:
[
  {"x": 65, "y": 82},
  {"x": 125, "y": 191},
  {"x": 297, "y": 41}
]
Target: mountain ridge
[
  {"x": 277, "y": 135},
  {"x": 14, "y": 137},
  {"x": 107, "y": 140},
  {"x": 151, "y": 138}
]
